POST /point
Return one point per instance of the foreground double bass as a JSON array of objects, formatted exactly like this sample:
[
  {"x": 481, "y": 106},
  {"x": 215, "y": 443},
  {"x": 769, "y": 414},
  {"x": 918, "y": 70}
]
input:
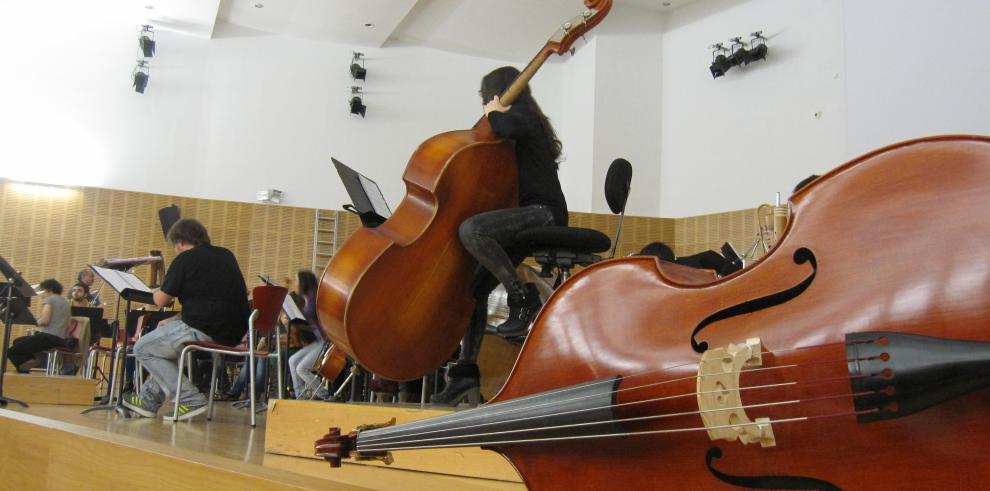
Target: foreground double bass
[
  {"x": 855, "y": 355},
  {"x": 397, "y": 297}
]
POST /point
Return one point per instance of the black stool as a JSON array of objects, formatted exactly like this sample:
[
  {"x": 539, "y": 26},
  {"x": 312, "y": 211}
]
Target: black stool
[{"x": 558, "y": 249}]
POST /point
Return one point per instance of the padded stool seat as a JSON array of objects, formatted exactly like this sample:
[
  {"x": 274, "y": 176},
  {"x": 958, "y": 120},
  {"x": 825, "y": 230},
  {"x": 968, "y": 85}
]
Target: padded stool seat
[{"x": 581, "y": 240}]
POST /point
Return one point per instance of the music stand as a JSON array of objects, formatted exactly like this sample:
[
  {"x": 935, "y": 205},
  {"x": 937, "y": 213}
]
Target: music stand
[
  {"x": 131, "y": 289},
  {"x": 368, "y": 201},
  {"x": 15, "y": 311}
]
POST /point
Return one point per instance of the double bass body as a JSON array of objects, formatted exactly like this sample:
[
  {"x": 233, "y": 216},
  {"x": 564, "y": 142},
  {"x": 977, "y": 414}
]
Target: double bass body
[
  {"x": 397, "y": 297},
  {"x": 899, "y": 239}
]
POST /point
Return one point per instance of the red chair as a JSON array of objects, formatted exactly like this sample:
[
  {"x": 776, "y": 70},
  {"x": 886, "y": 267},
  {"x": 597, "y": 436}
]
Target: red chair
[{"x": 267, "y": 302}]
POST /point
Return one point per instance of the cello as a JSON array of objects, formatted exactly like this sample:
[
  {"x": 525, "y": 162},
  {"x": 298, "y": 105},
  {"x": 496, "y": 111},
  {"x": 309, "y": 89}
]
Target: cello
[
  {"x": 854, "y": 355},
  {"x": 397, "y": 297}
]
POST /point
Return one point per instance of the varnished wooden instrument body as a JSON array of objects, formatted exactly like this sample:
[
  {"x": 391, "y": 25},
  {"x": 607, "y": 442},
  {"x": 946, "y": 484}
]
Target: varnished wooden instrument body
[
  {"x": 901, "y": 239},
  {"x": 397, "y": 297}
]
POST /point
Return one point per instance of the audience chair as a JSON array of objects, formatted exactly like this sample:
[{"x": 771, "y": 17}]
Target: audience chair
[
  {"x": 267, "y": 304},
  {"x": 558, "y": 249}
]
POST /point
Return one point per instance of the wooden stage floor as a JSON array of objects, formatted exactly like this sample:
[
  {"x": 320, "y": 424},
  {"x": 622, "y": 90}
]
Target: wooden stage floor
[{"x": 227, "y": 443}]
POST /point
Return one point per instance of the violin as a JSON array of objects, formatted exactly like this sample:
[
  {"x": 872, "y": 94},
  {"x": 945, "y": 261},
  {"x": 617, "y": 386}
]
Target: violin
[
  {"x": 407, "y": 282},
  {"x": 854, "y": 355}
]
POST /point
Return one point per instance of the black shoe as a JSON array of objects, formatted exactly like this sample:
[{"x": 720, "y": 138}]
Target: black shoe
[
  {"x": 457, "y": 391},
  {"x": 522, "y": 310}
]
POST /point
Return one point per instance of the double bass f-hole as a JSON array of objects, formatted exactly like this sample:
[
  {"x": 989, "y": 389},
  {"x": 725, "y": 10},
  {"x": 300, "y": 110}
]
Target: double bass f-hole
[
  {"x": 801, "y": 256},
  {"x": 765, "y": 482}
]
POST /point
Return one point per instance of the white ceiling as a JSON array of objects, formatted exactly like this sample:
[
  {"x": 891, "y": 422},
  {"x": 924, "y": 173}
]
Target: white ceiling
[{"x": 503, "y": 29}]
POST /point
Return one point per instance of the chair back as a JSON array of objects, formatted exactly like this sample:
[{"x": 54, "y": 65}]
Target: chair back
[
  {"x": 267, "y": 301},
  {"x": 618, "y": 182}
]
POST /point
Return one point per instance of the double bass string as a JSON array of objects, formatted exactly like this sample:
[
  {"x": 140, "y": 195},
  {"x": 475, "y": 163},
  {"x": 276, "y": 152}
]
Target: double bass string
[
  {"x": 374, "y": 443},
  {"x": 366, "y": 447},
  {"x": 488, "y": 411},
  {"x": 375, "y": 438}
]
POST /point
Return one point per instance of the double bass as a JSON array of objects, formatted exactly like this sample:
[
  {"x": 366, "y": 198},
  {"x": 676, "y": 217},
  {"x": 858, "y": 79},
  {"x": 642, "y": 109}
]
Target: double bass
[
  {"x": 854, "y": 355},
  {"x": 397, "y": 297}
]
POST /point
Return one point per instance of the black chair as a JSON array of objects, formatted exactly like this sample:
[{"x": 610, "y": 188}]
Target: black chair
[{"x": 558, "y": 249}]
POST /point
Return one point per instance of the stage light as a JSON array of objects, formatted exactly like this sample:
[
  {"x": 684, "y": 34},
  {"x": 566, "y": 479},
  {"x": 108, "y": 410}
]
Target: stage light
[
  {"x": 140, "y": 76},
  {"x": 358, "y": 72},
  {"x": 720, "y": 63},
  {"x": 357, "y": 105},
  {"x": 739, "y": 54},
  {"x": 357, "y": 108},
  {"x": 146, "y": 41}
]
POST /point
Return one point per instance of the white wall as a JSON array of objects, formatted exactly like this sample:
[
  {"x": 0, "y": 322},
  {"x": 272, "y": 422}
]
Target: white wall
[
  {"x": 628, "y": 106},
  {"x": 730, "y": 143},
  {"x": 220, "y": 118},
  {"x": 576, "y": 126},
  {"x": 223, "y": 118},
  {"x": 915, "y": 69}
]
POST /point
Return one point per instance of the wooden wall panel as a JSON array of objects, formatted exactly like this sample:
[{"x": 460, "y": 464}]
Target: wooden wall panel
[{"x": 56, "y": 236}]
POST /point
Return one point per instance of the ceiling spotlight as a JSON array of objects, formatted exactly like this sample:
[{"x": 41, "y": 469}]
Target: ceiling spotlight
[
  {"x": 358, "y": 72},
  {"x": 140, "y": 76},
  {"x": 739, "y": 54},
  {"x": 720, "y": 62},
  {"x": 357, "y": 106},
  {"x": 147, "y": 41}
]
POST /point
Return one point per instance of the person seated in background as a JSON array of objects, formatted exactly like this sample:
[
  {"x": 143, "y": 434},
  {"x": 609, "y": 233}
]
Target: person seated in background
[
  {"x": 87, "y": 277},
  {"x": 712, "y": 260},
  {"x": 208, "y": 282},
  {"x": 240, "y": 385},
  {"x": 79, "y": 295},
  {"x": 301, "y": 363},
  {"x": 53, "y": 323}
]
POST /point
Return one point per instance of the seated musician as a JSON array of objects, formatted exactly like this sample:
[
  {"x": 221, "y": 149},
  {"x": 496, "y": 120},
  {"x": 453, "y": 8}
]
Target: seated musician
[
  {"x": 79, "y": 295},
  {"x": 208, "y": 282},
  {"x": 301, "y": 362},
  {"x": 489, "y": 236},
  {"x": 53, "y": 323},
  {"x": 87, "y": 277}
]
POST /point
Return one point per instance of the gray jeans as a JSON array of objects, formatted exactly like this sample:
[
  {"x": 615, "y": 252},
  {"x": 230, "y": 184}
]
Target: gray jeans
[
  {"x": 301, "y": 366},
  {"x": 158, "y": 352}
]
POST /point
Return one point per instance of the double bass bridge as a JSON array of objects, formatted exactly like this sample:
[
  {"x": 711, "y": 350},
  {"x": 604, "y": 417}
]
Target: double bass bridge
[{"x": 719, "y": 402}]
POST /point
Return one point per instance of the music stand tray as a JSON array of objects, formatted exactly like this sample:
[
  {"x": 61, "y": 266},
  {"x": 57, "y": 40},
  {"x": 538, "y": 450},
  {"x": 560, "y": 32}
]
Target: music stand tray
[{"x": 16, "y": 300}]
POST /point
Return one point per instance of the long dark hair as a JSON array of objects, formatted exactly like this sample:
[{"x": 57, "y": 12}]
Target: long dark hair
[
  {"x": 307, "y": 282},
  {"x": 498, "y": 80}
]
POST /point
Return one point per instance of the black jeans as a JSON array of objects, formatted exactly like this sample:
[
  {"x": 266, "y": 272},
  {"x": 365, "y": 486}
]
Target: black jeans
[
  {"x": 26, "y": 347},
  {"x": 490, "y": 238}
]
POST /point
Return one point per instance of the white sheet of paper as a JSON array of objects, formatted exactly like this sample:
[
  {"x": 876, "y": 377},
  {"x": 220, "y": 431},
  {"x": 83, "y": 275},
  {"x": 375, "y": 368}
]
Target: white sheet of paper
[
  {"x": 291, "y": 310},
  {"x": 121, "y": 280},
  {"x": 375, "y": 195}
]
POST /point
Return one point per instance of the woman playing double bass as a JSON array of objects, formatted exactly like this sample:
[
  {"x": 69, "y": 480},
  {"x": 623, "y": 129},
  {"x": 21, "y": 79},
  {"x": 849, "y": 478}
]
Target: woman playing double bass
[{"x": 490, "y": 236}]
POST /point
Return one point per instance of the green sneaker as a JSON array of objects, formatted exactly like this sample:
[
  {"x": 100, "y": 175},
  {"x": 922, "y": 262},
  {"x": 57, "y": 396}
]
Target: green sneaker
[
  {"x": 133, "y": 402},
  {"x": 186, "y": 412}
]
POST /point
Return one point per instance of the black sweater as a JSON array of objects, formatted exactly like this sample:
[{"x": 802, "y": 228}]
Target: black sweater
[{"x": 538, "y": 182}]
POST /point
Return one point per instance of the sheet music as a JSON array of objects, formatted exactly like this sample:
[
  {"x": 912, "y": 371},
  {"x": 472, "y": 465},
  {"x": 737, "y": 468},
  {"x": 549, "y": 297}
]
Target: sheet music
[
  {"x": 374, "y": 193},
  {"x": 291, "y": 309},
  {"x": 120, "y": 280}
]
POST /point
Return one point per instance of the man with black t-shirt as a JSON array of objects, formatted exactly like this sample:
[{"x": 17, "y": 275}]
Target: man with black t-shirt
[{"x": 208, "y": 282}]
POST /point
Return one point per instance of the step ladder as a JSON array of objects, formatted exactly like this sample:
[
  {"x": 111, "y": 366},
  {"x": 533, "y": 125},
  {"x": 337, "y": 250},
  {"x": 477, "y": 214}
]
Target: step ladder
[{"x": 324, "y": 238}]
